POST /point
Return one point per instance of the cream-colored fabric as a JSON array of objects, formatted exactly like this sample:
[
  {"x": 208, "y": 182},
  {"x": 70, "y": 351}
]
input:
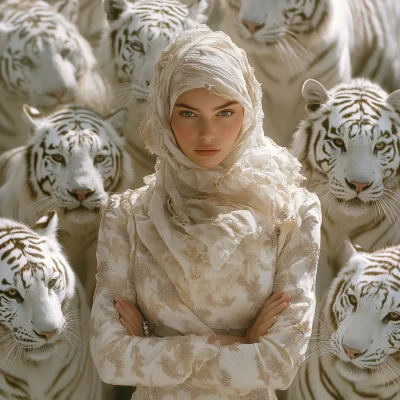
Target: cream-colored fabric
[{"x": 200, "y": 250}]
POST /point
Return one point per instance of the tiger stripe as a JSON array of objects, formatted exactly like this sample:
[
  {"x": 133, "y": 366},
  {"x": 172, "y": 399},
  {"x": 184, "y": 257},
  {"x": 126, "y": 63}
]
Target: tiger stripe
[
  {"x": 351, "y": 134},
  {"x": 327, "y": 40},
  {"x": 29, "y": 261},
  {"x": 361, "y": 313},
  {"x": 45, "y": 62}
]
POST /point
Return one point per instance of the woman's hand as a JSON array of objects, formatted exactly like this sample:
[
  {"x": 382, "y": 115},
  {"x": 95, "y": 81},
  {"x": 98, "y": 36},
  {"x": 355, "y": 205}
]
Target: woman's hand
[
  {"x": 130, "y": 317},
  {"x": 267, "y": 317}
]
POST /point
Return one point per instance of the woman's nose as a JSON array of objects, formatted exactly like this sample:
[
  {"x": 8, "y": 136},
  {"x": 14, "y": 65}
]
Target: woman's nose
[{"x": 206, "y": 132}]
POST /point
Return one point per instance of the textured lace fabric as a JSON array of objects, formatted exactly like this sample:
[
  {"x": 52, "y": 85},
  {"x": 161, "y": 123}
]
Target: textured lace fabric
[{"x": 199, "y": 250}]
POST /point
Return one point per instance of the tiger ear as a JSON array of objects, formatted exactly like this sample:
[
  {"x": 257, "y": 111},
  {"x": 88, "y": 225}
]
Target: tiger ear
[
  {"x": 68, "y": 8},
  {"x": 197, "y": 10},
  {"x": 31, "y": 115},
  {"x": 394, "y": 100},
  {"x": 314, "y": 95},
  {"x": 118, "y": 118},
  {"x": 47, "y": 225},
  {"x": 114, "y": 9},
  {"x": 347, "y": 251}
]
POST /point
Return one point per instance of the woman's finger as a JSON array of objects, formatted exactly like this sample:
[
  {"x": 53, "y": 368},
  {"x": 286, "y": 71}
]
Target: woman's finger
[
  {"x": 124, "y": 306},
  {"x": 274, "y": 297},
  {"x": 128, "y": 328},
  {"x": 273, "y": 313},
  {"x": 273, "y": 305},
  {"x": 129, "y": 304},
  {"x": 264, "y": 328},
  {"x": 129, "y": 317}
]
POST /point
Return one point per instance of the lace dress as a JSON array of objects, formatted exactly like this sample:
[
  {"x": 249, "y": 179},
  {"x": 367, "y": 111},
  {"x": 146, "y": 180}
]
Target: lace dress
[{"x": 184, "y": 305}]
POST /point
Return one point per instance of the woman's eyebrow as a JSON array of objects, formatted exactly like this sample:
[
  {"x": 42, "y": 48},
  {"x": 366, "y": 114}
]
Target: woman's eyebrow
[
  {"x": 229, "y": 103},
  {"x": 183, "y": 105}
]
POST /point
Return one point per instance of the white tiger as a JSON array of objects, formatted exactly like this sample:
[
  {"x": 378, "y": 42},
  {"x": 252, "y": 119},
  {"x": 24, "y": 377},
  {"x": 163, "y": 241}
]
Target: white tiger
[
  {"x": 138, "y": 32},
  {"x": 331, "y": 41},
  {"x": 44, "y": 61},
  {"x": 356, "y": 350},
  {"x": 88, "y": 15},
  {"x": 349, "y": 148},
  {"x": 73, "y": 160},
  {"x": 44, "y": 318}
]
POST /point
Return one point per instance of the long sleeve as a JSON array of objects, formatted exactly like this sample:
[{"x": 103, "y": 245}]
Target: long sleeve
[
  {"x": 272, "y": 363},
  {"x": 129, "y": 360}
]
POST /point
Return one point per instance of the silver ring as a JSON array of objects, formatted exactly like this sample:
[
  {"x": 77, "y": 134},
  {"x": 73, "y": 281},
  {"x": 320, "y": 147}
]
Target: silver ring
[{"x": 146, "y": 328}]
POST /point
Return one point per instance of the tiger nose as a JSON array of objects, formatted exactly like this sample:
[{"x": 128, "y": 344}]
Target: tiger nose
[
  {"x": 358, "y": 186},
  {"x": 58, "y": 94},
  {"x": 81, "y": 194},
  {"x": 252, "y": 27},
  {"x": 48, "y": 335},
  {"x": 351, "y": 353}
]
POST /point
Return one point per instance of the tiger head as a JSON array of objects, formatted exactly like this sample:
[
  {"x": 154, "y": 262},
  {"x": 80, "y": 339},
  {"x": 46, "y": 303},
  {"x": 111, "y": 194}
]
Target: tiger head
[
  {"x": 36, "y": 287},
  {"x": 138, "y": 32},
  {"x": 75, "y": 158},
  {"x": 349, "y": 147},
  {"x": 43, "y": 57},
  {"x": 363, "y": 306},
  {"x": 266, "y": 25}
]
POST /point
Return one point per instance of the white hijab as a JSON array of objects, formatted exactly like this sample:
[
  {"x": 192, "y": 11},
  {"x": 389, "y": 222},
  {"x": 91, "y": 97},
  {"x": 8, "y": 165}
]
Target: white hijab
[{"x": 194, "y": 220}]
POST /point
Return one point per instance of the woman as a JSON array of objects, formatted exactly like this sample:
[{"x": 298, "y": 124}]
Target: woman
[{"x": 199, "y": 250}]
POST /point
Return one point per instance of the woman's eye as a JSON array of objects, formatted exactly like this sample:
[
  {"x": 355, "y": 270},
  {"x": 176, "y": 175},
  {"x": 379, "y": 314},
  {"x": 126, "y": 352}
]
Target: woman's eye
[
  {"x": 58, "y": 158},
  {"x": 226, "y": 113},
  {"x": 187, "y": 114},
  {"x": 99, "y": 158},
  {"x": 380, "y": 146}
]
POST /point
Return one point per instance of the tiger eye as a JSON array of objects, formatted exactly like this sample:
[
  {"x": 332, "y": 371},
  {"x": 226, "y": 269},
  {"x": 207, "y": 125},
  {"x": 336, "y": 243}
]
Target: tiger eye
[
  {"x": 58, "y": 158},
  {"x": 380, "y": 146},
  {"x": 12, "y": 292},
  {"x": 339, "y": 143},
  {"x": 99, "y": 158},
  {"x": 353, "y": 300},
  {"x": 394, "y": 316}
]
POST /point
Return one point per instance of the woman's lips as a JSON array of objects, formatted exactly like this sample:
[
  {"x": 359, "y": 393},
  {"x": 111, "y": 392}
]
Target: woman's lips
[{"x": 207, "y": 153}]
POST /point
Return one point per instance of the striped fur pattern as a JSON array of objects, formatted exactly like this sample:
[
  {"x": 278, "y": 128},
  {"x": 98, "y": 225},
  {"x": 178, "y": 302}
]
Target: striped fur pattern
[
  {"x": 349, "y": 148},
  {"x": 356, "y": 350},
  {"x": 88, "y": 15},
  {"x": 327, "y": 40},
  {"x": 73, "y": 160},
  {"x": 44, "y": 61},
  {"x": 138, "y": 32},
  {"x": 44, "y": 318}
]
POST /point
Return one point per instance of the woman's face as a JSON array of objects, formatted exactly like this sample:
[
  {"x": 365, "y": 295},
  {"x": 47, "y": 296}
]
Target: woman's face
[{"x": 206, "y": 126}]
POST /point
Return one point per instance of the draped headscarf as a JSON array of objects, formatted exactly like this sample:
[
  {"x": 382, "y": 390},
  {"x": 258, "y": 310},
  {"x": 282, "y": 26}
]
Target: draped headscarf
[{"x": 200, "y": 224}]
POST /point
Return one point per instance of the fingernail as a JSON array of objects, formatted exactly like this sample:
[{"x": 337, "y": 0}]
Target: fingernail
[{"x": 286, "y": 296}]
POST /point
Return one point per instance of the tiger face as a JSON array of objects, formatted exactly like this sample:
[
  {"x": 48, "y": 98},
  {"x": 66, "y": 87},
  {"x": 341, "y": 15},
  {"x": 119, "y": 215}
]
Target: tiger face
[
  {"x": 42, "y": 55},
  {"x": 74, "y": 159},
  {"x": 349, "y": 146},
  {"x": 364, "y": 305},
  {"x": 261, "y": 24},
  {"x": 138, "y": 32},
  {"x": 36, "y": 284}
]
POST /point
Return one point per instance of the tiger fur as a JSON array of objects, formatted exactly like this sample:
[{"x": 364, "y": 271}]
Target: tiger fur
[
  {"x": 71, "y": 163},
  {"x": 289, "y": 41},
  {"x": 349, "y": 149},
  {"x": 44, "y": 318}
]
